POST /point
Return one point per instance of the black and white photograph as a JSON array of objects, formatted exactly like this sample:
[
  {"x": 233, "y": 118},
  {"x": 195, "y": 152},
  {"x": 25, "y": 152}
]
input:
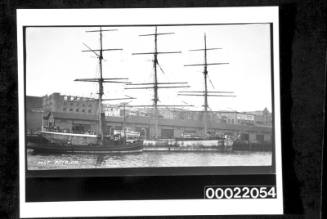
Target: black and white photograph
[
  {"x": 155, "y": 102},
  {"x": 129, "y": 95}
]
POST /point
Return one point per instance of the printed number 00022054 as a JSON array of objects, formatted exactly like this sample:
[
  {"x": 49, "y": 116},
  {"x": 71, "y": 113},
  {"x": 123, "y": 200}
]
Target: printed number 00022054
[{"x": 240, "y": 192}]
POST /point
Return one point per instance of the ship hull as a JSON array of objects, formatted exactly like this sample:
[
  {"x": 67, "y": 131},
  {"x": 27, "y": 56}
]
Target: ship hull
[
  {"x": 50, "y": 148},
  {"x": 184, "y": 145},
  {"x": 196, "y": 148},
  {"x": 41, "y": 144}
]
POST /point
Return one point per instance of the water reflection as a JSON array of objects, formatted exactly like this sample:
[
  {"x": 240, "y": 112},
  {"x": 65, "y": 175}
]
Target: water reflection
[
  {"x": 148, "y": 159},
  {"x": 99, "y": 160}
]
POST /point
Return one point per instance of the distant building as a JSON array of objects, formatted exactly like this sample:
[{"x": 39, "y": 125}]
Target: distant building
[
  {"x": 233, "y": 117},
  {"x": 33, "y": 113},
  {"x": 79, "y": 115},
  {"x": 110, "y": 110},
  {"x": 262, "y": 118},
  {"x": 83, "y": 105},
  {"x": 168, "y": 128},
  {"x": 252, "y": 118},
  {"x": 33, "y": 103},
  {"x": 56, "y": 102},
  {"x": 174, "y": 113}
]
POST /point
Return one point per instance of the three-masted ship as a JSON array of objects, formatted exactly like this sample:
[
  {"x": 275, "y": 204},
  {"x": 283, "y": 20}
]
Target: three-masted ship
[
  {"x": 203, "y": 143},
  {"x": 59, "y": 142}
]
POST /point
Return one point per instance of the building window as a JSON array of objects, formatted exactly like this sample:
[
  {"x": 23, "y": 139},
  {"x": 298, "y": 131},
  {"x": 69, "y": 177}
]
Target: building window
[
  {"x": 260, "y": 138},
  {"x": 71, "y": 110},
  {"x": 167, "y": 133},
  {"x": 64, "y": 109},
  {"x": 83, "y": 110},
  {"x": 90, "y": 111},
  {"x": 71, "y": 103},
  {"x": 244, "y": 137},
  {"x": 77, "y": 110}
]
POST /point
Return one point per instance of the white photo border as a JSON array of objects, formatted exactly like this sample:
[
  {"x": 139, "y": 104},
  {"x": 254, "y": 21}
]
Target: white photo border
[{"x": 92, "y": 17}]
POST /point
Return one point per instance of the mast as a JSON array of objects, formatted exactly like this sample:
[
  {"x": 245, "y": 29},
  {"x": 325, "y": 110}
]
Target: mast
[
  {"x": 205, "y": 93},
  {"x": 100, "y": 80},
  {"x": 101, "y": 114},
  {"x": 155, "y": 98},
  {"x": 205, "y": 73},
  {"x": 157, "y": 85}
]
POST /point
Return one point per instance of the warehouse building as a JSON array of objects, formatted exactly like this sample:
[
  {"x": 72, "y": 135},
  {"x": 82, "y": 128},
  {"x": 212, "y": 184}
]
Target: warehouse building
[
  {"x": 77, "y": 123},
  {"x": 73, "y": 114}
]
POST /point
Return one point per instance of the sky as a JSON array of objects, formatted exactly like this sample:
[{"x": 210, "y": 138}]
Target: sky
[{"x": 54, "y": 59}]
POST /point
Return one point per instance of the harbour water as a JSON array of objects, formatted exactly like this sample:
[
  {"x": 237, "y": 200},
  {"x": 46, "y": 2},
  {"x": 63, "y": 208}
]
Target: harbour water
[{"x": 147, "y": 159}]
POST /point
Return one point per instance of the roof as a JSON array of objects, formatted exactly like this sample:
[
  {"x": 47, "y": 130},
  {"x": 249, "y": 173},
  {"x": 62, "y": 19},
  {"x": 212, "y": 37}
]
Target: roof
[{"x": 163, "y": 122}]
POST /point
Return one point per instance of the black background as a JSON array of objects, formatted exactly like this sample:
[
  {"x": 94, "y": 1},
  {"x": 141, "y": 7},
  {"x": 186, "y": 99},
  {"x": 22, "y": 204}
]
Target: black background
[
  {"x": 302, "y": 58},
  {"x": 133, "y": 187}
]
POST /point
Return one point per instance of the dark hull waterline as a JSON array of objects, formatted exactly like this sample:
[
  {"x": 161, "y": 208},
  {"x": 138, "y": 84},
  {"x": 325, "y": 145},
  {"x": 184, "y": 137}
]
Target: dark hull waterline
[{"x": 84, "y": 149}]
